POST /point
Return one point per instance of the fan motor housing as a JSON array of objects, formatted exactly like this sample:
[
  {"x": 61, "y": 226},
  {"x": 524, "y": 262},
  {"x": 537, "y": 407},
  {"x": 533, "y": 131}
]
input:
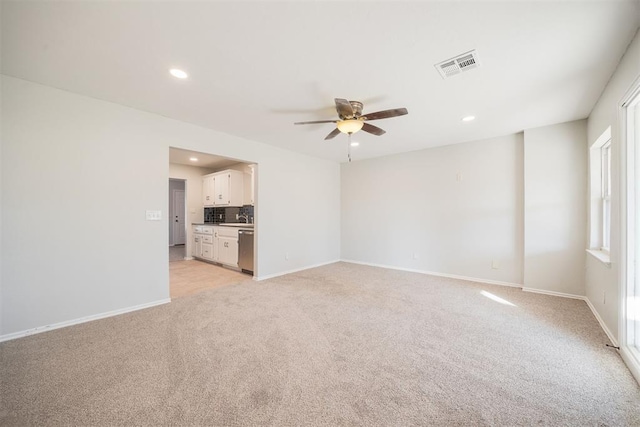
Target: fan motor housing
[{"x": 357, "y": 108}]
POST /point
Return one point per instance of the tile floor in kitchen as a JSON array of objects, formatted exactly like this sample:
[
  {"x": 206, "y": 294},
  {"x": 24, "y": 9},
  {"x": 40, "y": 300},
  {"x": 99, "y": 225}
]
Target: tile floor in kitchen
[{"x": 193, "y": 276}]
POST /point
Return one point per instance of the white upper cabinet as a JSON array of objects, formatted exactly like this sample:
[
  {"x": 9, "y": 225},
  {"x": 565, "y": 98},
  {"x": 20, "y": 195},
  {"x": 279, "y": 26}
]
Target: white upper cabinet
[
  {"x": 224, "y": 188},
  {"x": 208, "y": 191},
  {"x": 221, "y": 186},
  {"x": 249, "y": 185}
]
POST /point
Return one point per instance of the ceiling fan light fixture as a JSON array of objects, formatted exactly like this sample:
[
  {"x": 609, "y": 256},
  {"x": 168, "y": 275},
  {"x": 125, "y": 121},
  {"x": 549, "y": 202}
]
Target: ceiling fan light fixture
[{"x": 350, "y": 126}]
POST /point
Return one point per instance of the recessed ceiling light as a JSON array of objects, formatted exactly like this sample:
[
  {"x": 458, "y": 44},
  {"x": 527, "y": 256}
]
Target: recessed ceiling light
[
  {"x": 468, "y": 118},
  {"x": 355, "y": 144},
  {"x": 178, "y": 73},
  {"x": 193, "y": 159}
]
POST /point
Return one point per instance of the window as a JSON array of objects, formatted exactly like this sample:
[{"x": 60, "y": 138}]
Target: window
[
  {"x": 605, "y": 172},
  {"x": 600, "y": 197},
  {"x": 630, "y": 230}
]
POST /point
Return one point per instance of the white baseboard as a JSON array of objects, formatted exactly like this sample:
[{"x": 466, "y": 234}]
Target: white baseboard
[
  {"x": 602, "y": 324},
  {"x": 85, "y": 319},
  {"x": 470, "y": 279},
  {"x": 553, "y": 293},
  {"x": 188, "y": 258},
  {"x": 432, "y": 273},
  {"x": 495, "y": 282},
  {"x": 579, "y": 297},
  {"x": 271, "y": 276}
]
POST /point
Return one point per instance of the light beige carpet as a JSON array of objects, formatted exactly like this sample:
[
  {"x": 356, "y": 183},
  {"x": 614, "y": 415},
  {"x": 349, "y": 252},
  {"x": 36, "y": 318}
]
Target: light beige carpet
[{"x": 337, "y": 345}]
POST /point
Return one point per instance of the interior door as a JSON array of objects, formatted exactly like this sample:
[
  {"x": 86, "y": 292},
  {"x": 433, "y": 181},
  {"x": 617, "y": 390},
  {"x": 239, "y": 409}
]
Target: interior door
[{"x": 179, "y": 230}]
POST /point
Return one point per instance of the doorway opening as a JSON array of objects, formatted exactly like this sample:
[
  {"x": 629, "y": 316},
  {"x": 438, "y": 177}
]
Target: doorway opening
[
  {"x": 220, "y": 213},
  {"x": 177, "y": 219}
]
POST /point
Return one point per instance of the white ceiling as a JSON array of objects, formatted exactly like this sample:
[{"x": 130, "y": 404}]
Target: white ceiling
[
  {"x": 257, "y": 67},
  {"x": 204, "y": 160}
]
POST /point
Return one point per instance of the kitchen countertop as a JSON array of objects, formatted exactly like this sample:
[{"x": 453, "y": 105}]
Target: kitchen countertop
[{"x": 228, "y": 224}]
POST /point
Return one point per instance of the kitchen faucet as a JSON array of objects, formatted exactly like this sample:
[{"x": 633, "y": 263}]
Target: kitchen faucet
[{"x": 246, "y": 217}]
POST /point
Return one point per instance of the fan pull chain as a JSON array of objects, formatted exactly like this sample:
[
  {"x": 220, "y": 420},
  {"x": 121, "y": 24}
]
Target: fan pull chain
[{"x": 349, "y": 148}]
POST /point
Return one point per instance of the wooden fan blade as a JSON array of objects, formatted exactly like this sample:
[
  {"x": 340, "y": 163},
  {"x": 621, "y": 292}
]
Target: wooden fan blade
[
  {"x": 316, "y": 121},
  {"x": 373, "y": 129},
  {"x": 386, "y": 114},
  {"x": 333, "y": 134},
  {"x": 344, "y": 108}
]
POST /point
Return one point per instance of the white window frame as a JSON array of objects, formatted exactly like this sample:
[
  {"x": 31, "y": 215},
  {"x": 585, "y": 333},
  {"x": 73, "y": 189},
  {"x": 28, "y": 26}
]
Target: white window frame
[
  {"x": 629, "y": 200},
  {"x": 600, "y": 160},
  {"x": 605, "y": 219}
]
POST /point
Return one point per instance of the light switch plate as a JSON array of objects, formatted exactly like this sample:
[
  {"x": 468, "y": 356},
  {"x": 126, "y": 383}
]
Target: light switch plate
[{"x": 154, "y": 215}]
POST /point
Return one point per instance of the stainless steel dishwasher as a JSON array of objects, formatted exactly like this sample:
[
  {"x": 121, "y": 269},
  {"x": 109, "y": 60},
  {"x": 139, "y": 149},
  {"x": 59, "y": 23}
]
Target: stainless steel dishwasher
[{"x": 245, "y": 250}]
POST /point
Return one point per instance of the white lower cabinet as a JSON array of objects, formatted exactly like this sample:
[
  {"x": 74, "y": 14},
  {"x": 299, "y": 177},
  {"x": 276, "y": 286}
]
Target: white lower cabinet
[
  {"x": 227, "y": 244},
  {"x": 208, "y": 251},
  {"x": 196, "y": 250},
  {"x": 228, "y": 251},
  {"x": 203, "y": 242},
  {"x": 217, "y": 244}
]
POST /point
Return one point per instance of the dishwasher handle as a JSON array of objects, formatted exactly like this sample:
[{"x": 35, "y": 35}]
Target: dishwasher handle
[{"x": 246, "y": 232}]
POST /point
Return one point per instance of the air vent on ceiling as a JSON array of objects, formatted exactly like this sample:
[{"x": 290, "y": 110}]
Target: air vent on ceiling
[{"x": 463, "y": 62}]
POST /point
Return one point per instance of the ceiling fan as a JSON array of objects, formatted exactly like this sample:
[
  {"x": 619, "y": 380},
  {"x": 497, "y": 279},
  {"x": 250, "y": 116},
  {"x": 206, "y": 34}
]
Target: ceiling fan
[{"x": 352, "y": 120}]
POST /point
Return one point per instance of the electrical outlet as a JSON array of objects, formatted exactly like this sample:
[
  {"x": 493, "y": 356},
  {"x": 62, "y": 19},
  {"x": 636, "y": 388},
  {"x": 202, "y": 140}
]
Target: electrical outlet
[
  {"x": 459, "y": 176},
  {"x": 286, "y": 256},
  {"x": 415, "y": 255},
  {"x": 495, "y": 264}
]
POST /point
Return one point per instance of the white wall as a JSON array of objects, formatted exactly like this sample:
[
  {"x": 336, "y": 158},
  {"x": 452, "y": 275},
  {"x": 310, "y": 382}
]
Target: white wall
[
  {"x": 519, "y": 206},
  {"x": 601, "y": 280},
  {"x": 413, "y": 203},
  {"x": 555, "y": 218},
  {"x": 79, "y": 173}
]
